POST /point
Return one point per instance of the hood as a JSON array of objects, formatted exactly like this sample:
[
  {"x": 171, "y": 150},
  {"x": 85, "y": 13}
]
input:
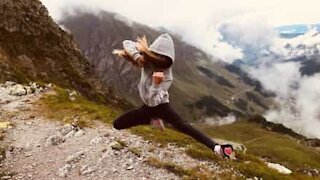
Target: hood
[{"x": 163, "y": 45}]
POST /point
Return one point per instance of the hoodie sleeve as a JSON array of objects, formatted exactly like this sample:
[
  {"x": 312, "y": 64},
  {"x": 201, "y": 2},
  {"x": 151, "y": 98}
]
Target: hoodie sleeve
[
  {"x": 159, "y": 91},
  {"x": 130, "y": 47}
]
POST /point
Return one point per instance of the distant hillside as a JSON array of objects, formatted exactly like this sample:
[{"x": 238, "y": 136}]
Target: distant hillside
[{"x": 203, "y": 85}]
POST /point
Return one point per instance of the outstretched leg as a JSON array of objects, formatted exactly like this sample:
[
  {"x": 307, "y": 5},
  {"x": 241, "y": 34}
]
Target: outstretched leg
[
  {"x": 132, "y": 118},
  {"x": 165, "y": 112}
]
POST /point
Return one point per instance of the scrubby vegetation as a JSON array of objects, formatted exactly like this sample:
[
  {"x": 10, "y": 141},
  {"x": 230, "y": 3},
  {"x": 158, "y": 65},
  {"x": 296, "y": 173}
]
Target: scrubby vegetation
[
  {"x": 78, "y": 110},
  {"x": 198, "y": 172},
  {"x": 261, "y": 143}
]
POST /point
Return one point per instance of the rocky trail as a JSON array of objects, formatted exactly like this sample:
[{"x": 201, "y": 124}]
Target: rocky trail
[{"x": 39, "y": 148}]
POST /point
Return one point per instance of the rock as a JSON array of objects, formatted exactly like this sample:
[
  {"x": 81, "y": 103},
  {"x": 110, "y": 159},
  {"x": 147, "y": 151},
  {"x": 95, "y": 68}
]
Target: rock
[
  {"x": 129, "y": 168},
  {"x": 279, "y": 168},
  {"x": 75, "y": 157},
  {"x": 114, "y": 170},
  {"x": 28, "y": 90},
  {"x": 70, "y": 134},
  {"x": 116, "y": 145},
  {"x": 79, "y": 133},
  {"x": 315, "y": 142},
  {"x": 29, "y": 123},
  {"x": 86, "y": 170},
  {"x": 33, "y": 87},
  {"x": 39, "y": 90},
  {"x": 28, "y": 146},
  {"x": 28, "y": 155},
  {"x": 1, "y": 158},
  {"x": 64, "y": 171},
  {"x": 5, "y": 177},
  {"x": 54, "y": 140},
  {"x": 4, "y": 125},
  {"x": 9, "y": 84},
  {"x": 66, "y": 129},
  {"x": 96, "y": 140},
  {"x": 72, "y": 95},
  {"x": 17, "y": 90},
  {"x": 32, "y": 116}
]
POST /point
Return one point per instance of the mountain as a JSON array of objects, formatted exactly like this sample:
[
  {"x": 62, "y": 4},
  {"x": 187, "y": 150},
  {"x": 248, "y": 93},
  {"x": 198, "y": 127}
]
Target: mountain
[
  {"x": 306, "y": 50},
  {"x": 34, "y": 48},
  {"x": 203, "y": 85},
  {"x": 301, "y": 44}
]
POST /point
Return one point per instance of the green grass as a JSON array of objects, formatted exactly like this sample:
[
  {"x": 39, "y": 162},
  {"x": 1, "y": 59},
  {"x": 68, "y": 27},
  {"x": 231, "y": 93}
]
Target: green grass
[
  {"x": 264, "y": 143},
  {"x": 198, "y": 172},
  {"x": 260, "y": 142},
  {"x": 60, "y": 107}
]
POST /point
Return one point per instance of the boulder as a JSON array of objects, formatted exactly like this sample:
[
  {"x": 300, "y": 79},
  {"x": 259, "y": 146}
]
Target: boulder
[
  {"x": 281, "y": 169},
  {"x": 18, "y": 90}
]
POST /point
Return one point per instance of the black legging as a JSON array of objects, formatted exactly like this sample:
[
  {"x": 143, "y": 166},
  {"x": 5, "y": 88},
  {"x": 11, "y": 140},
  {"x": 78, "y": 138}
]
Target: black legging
[{"x": 144, "y": 114}]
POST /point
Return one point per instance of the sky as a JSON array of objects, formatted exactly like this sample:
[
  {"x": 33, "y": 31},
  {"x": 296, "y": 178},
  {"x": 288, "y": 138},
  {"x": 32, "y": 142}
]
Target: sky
[
  {"x": 198, "y": 21},
  {"x": 168, "y": 12}
]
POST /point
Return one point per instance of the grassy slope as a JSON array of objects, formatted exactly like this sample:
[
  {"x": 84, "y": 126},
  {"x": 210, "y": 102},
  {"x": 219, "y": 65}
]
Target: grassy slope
[
  {"x": 259, "y": 142},
  {"x": 263, "y": 143}
]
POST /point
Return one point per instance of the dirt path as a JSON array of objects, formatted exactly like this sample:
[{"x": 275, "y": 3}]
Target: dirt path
[{"x": 44, "y": 149}]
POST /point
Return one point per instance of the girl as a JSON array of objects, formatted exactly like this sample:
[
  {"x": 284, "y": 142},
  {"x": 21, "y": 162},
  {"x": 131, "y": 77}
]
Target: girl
[{"x": 156, "y": 77}]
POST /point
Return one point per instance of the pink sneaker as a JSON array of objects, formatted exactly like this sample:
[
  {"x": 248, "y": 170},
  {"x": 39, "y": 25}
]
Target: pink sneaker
[
  {"x": 224, "y": 150},
  {"x": 157, "y": 123}
]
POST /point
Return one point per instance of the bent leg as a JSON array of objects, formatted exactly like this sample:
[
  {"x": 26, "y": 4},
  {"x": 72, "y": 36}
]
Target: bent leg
[
  {"x": 170, "y": 116},
  {"x": 132, "y": 118}
]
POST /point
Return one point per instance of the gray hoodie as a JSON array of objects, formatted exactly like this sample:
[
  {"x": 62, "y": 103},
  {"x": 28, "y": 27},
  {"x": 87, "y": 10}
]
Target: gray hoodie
[{"x": 150, "y": 93}]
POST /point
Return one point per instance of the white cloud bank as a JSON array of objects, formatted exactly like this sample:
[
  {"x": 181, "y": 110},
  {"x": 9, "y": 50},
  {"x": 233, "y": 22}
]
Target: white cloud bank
[{"x": 298, "y": 96}]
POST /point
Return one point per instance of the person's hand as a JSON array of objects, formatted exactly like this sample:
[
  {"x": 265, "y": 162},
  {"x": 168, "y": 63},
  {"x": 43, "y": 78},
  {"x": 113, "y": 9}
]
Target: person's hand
[
  {"x": 157, "y": 77},
  {"x": 123, "y": 54},
  {"x": 140, "y": 61}
]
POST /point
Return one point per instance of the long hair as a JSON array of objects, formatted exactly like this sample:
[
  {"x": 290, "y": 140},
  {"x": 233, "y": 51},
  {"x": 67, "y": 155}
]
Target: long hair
[{"x": 143, "y": 48}]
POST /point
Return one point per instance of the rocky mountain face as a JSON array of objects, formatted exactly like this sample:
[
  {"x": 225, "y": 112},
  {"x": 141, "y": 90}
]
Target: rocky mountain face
[
  {"x": 203, "y": 85},
  {"x": 34, "y": 48}
]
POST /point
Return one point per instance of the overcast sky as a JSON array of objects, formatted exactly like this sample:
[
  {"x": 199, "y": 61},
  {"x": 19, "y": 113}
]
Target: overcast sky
[
  {"x": 197, "y": 20},
  {"x": 162, "y": 12}
]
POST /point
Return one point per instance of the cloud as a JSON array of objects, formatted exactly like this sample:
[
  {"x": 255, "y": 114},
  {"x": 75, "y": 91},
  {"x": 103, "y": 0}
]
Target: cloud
[
  {"x": 197, "y": 21},
  {"x": 297, "y": 96},
  {"x": 218, "y": 121},
  {"x": 301, "y": 111},
  {"x": 306, "y": 45},
  {"x": 281, "y": 78}
]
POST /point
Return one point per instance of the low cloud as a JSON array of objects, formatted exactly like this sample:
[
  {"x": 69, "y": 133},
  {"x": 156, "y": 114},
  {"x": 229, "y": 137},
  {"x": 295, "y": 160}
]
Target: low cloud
[
  {"x": 298, "y": 96},
  {"x": 218, "y": 121}
]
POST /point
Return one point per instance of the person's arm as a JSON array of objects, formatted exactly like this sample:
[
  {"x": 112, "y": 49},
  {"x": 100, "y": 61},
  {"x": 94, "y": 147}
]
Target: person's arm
[{"x": 130, "y": 47}]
